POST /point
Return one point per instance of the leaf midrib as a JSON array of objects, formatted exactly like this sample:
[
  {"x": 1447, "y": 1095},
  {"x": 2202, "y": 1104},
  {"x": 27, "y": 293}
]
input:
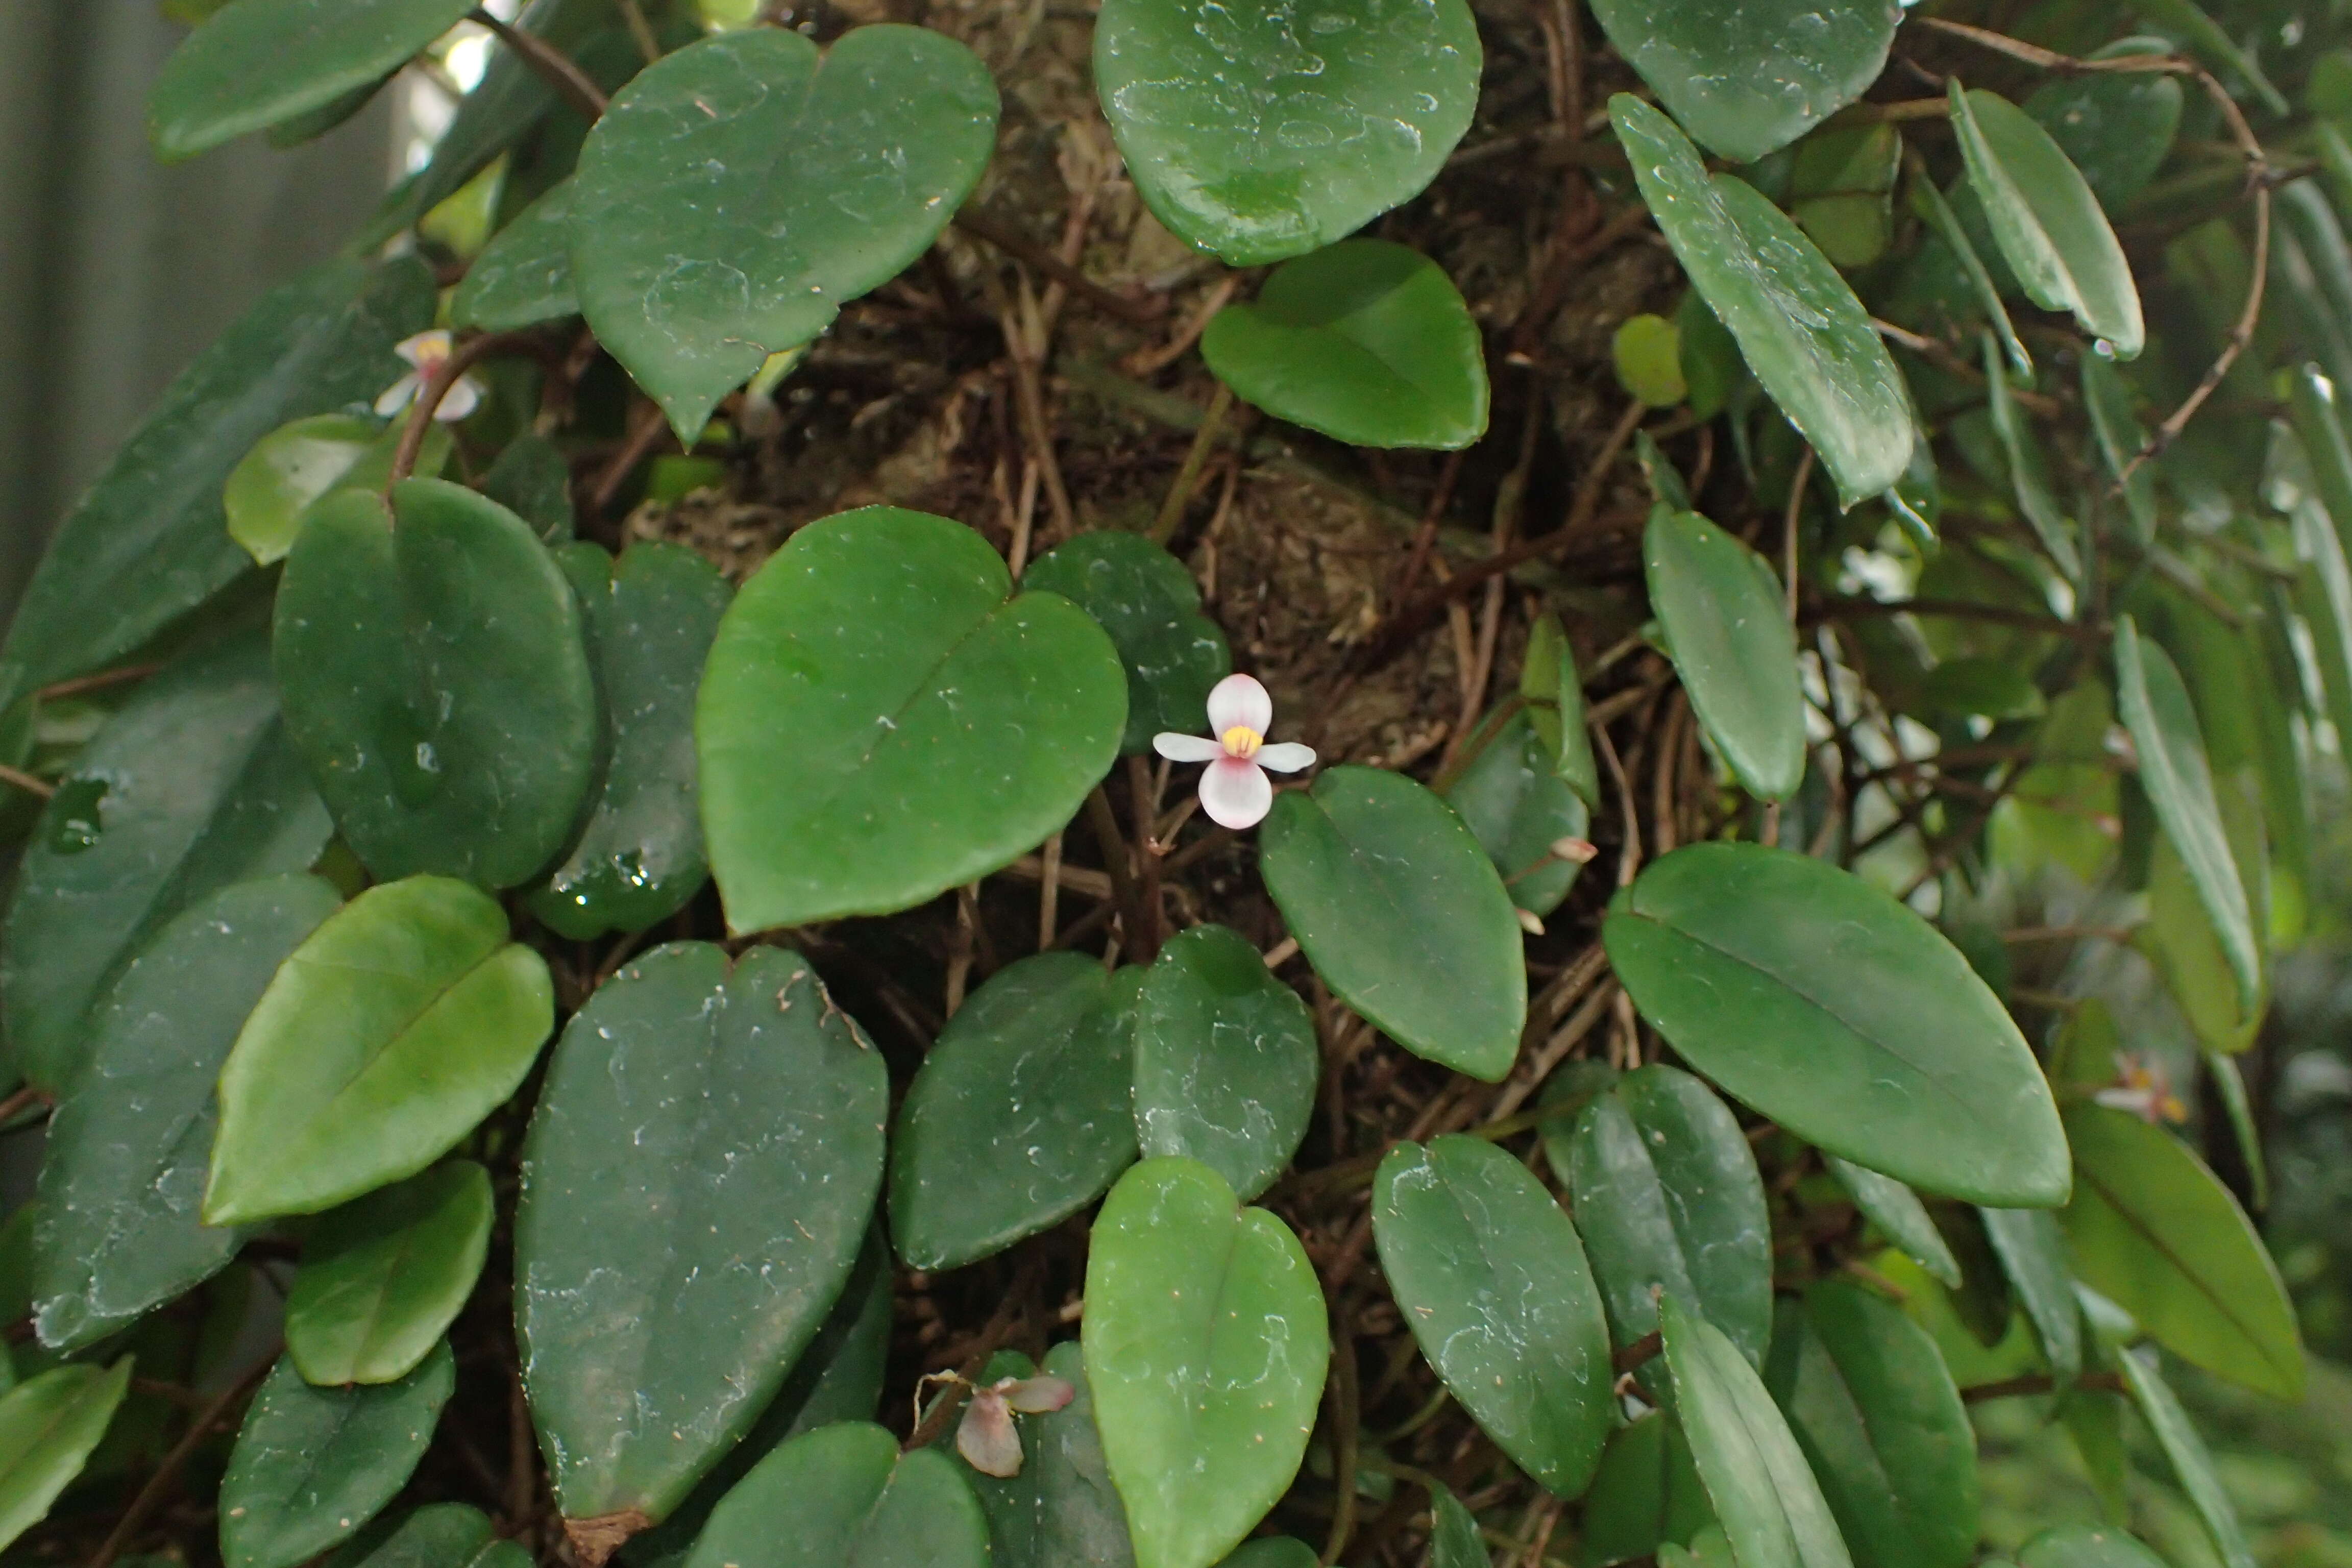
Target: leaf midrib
[{"x": 2130, "y": 1216}]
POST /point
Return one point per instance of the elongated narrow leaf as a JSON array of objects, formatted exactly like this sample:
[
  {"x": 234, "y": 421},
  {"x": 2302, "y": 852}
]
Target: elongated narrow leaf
[
  {"x": 2029, "y": 476},
  {"x": 383, "y": 1276},
  {"x": 1841, "y": 1014},
  {"x": 2121, "y": 440},
  {"x": 694, "y": 1117},
  {"x": 1149, "y": 605},
  {"x": 2210, "y": 39},
  {"x": 1897, "y": 1212},
  {"x": 845, "y": 1495},
  {"x": 1023, "y": 1113},
  {"x": 2193, "y": 1462},
  {"x": 1492, "y": 1279},
  {"x": 1749, "y": 79},
  {"x": 1206, "y": 1344},
  {"x": 1929, "y": 203},
  {"x": 1061, "y": 1510},
  {"x": 523, "y": 276},
  {"x": 1733, "y": 647},
  {"x": 2032, "y": 1252},
  {"x": 48, "y": 1427},
  {"x": 2085, "y": 1546},
  {"x": 386, "y": 1035},
  {"x": 1800, "y": 327}
]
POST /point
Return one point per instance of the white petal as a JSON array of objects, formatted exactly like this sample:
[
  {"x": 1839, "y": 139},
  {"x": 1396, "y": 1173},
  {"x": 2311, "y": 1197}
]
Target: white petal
[
  {"x": 398, "y": 395},
  {"x": 1286, "y": 757},
  {"x": 1178, "y": 748},
  {"x": 434, "y": 344},
  {"x": 1235, "y": 793},
  {"x": 465, "y": 395},
  {"x": 1239, "y": 700}
]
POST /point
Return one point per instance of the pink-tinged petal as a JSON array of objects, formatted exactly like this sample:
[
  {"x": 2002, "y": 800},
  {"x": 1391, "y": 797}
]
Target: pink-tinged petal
[
  {"x": 1235, "y": 793},
  {"x": 398, "y": 395},
  {"x": 1037, "y": 1396},
  {"x": 1239, "y": 700},
  {"x": 985, "y": 1436},
  {"x": 1286, "y": 757},
  {"x": 1178, "y": 748},
  {"x": 465, "y": 395}
]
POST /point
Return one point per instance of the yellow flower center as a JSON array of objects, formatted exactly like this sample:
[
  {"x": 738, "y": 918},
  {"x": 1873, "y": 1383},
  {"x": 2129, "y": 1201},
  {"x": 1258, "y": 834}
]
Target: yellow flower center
[{"x": 1241, "y": 741}]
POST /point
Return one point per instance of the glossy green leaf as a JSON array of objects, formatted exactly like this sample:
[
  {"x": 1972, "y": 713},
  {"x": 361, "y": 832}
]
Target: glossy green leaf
[
  {"x": 1271, "y": 1552},
  {"x": 2116, "y": 127},
  {"x": 738, "y": 192},
  {"x": 438, "y": 1536},
  {"x": 1366, "y": 341},
  {"x": 532, "y": 479},
  {"x": 313, "y": 1465},
  {"x": 1841, "y": 190},
  {"x": 1022, "y": 1114},
  {"x": 1261, "y": 131},
  {"x": 2191, "y": 1461},
  {"x": 1149, "y": 604},
  {"x": 430, "y": 661},
  {"x": 191, "y": 786},
  {"x": 148, "y": 542},
  {"x": 2155, "y": 708},
  {"x": 2032, "y": 1252},
  {"x": 398, "y": 1025},
  {"x": 2085, "y": 1546},
  {"x": 1061, "y": 1510},
  {"x": 294, "y": 464},
  {"x": 1770, "y": 1505},
  {"x": 1554, "y": 694},
  {"x": 2029, "y": 473},
  {"x": 844, "y": 1495},
  {"x": 1664, "y": 1189},
  {"x": 1206, "y": 1344},
  {"x": 2120, "y": 439},
  {"x": 1517, "y": 807},
  {"x": 1733, "y": 647},
  {"x": 2045, "y": 220},
  {"x": 1899, "y": 1215},
  {"x": 1930, "y": 204},
  {"x": 383, "y": 1276},
  {"x": 1645, "y": 1494},
  {"x": 650, "y": 618},
  {"x": 880, "y": 719},
  {"x": 1646, "y": 351},
  {"x": 1842, "y": 1014},
  {"x": 259, "y": 63},
  {"x": 1402, "y": 915},
  {"x": 1752, "y": 79},
  {"x": 1455, "y": 1542},
  {"x": 693, "y": 1117},
  {"x": 1803, "y": 333},
  {"x": 2157, "y": 1232},
  {"x": 523, "y": 276},
  {"x": 48, "y": 1426},
  {"x": 1225, "y": 1060},
  {"x": 1877, "y": 1417},
  {"x": 1489, "y": 1275},
  {"x": 118, "y": 1231}
]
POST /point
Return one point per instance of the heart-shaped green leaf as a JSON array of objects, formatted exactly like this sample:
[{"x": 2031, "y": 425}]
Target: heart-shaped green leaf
[
  {"x": 738, "y": 192},
  {"x": 844, "y": 1495},
  {"x": 1899, "y": 1215},
  {"x": 1733, "y": 647},
  {"x": 650, "y": 618},
  {"x": 259, "y": 63},
  {"x": 2191, "y": 1461},
  {"x": 2085, "y": 1546},
  {"x": 692, "y": 1118},
  {"x": 398, "y": 1025},
  {"x": 1402, "y": 915},
  {"x": 1023, "y": 1113},
  {"x": 191, "y": 786},
  {"x": 1225, "y": 1060},
  {"x": 1206, "y": 1342},
  {"x": 313, "y": 1465},
  {"x": 1517, "y": 807},
  {"x": 2154, "y": 1230},
  {"x": 523, "y": 276},
  {"x": 2155, "y": 708},
  {"x": 2045, "y": 220},
  {"x": 1770, "y": 1505},
  {"x": 430, "y": 661},
  {"x": 383, "y": 1276},
  {"x": 149, "y": 542},
  {"x": 48, "y": 1427},
  {"x": 1664, "y": 1189},
  {"x": 1843, "y": 1015},
  {"x": 1750, "y": 78},
  {"x": 1061, "y": 1510},
  {"x": 1646, "y": 1493},
  {"x": 438, "y": 1536},
  {"x": 1877, "y": 1413},
  {"x": 879, "y": 720},
  {"x": 1151, "y": 608},
  {"x": 117, "y": 1231},
  {"x": 1263, "y": 131},
  {"x": 294, "y": 464},
  {"x": 1490, "y": 1276},
  {"x": 1805, "y": 336},
  {"x": 2033, "y": 1257},
  {"x": 1366, "y": 341}
]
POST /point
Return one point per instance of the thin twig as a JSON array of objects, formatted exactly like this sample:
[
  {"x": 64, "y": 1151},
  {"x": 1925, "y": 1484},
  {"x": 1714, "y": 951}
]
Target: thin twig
[
  {"x": 1141, "y": 312},
  {"x": 99, "y": 683},
  {"x": 26, "y": 782},
  {"x": 151, "y": 1494},
  {"x": 552, "y": 65},
  {"x": 1188, "y": 477}
]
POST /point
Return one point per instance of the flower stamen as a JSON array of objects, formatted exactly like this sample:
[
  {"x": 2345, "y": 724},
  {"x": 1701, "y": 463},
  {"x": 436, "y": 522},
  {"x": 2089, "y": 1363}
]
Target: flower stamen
[{"x": 1241, "y": 741}]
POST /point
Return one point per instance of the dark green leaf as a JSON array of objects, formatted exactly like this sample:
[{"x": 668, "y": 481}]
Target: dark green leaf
[
  {"x": 1271, "y": 1552},
  {"x": 1899, "y": 1215},
  {"x": 1061, "y": 1510},
  {"x": 1517, "y": 807},
  {"x": 1645, "y": 1494},
  {"x": 531, "y": 480},
  {"x": 844, "y": 1495},
  {"x": 2192, "y": 1463},
  {"x": 2121, "y": 439},
  {"x": 2085, "y": 1546},
  {"x": 1490, "y": 1276},
  {"x": 2029, "y": 473},
  {"x": 124, "y": 1168},
  {"x": 1261, "y": 130},
  {"x": 1023, "y": 1113},
  {"x": 1402, "y": 915},
  {"x": 1843, "y": 1015},
  {"x": 692, "y": 1118},
  {"x": 1151, "y": 608},
  {"x": 1365, "y": 341},
  {"x": 1751, "y": 78},
  {"x": 2032, "y": 1252},
  {"x": 2116, "y": 127},
  {"x": 383, "y": 1276},
  {"x": 438, "y": 1536},
  {"x": 398, "y": 1025},
  {"x": 1929, "y": 203},
  {"x": 2208, "y": 38},
  {"x": 48, "y": 1427},
  {"x": 1455, "y": 1542},
  {"x": 313, "y": 1465},
  {"x": 273, "y": 485},
  {"x": 523, "y": 276},
  {"x": 1732, "y": 645}
]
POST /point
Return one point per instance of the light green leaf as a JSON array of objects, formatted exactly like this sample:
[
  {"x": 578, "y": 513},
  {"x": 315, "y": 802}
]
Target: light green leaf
[
  {"x": 383, "y": 1276},
  {"x": 274, "y": 484},
  {"x": 1897, "y": 1212},
  {"x": 844, "y": 1495},
  {"x": 48, "y": 1427},
  {"x": 1752, "y": 79},
  {"x": 2032, "y": 1252},
  {"x": 1646, "y": 351},
  {"x": 1733, "y": 647},
  {"x": 1554, "y": 693},
  {"x": 2085, "y": 1546},
  {"x": 2319, "y": 423},
  {"x": 1149, "y": 604},
  {"x": 1061, "y": 1510},
  {"x": 2193, "y": 1462},
  {"x": 523, "y": 276},
  {"x": 1517, "y": 807}
]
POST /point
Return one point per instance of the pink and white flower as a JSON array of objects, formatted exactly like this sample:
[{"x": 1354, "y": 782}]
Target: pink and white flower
[
  {"x": 429, "y": 351},
  {"x": 1235, "y": 790}
]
